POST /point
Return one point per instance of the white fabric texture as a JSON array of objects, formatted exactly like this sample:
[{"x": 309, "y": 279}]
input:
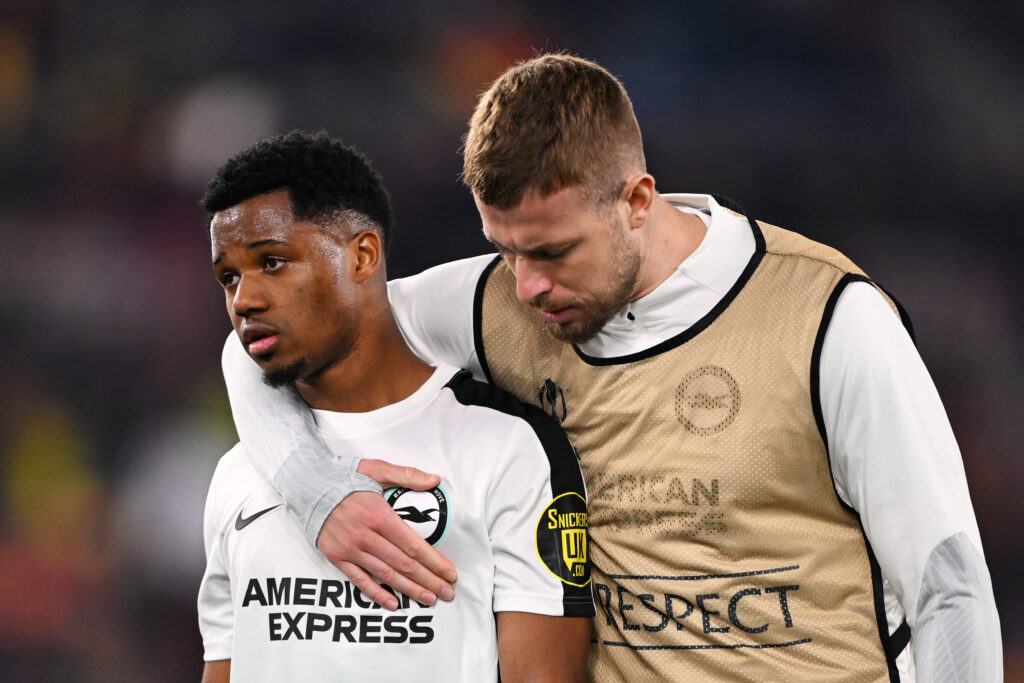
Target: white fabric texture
[
  {"x": 895, "y": 460},
  {"x": 496, "y": 480},
  {"x": 286, "y": 448},
  {"x": 893, "y": 454}
]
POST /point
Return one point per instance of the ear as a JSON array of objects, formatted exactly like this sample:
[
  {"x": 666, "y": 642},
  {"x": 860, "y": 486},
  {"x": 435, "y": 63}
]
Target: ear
[
  {"x": 367, "y": 255},
  {"x": 638, "y": 193}
]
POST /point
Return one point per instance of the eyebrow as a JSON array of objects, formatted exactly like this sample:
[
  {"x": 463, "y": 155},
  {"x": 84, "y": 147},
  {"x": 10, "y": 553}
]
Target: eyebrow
[
  {"x": 539, "y": 250},
  {"x": 255, "y": 245}
]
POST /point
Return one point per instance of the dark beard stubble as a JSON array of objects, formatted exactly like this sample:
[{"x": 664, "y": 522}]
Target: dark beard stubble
[
  {"x": 300, "y": 369},
  {"x": 285, "y": 376}
]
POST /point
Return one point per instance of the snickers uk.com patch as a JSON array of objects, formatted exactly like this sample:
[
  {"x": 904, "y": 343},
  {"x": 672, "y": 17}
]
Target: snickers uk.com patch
[{"x": 562, "y": 539}]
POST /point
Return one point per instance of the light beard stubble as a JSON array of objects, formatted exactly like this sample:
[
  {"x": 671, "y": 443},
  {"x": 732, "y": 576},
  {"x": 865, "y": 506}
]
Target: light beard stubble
[{"x": 629, "y": 265}]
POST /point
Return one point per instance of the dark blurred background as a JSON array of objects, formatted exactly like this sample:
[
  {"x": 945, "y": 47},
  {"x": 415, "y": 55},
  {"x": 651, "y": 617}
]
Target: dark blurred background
[{"x": 891, "y": 130}]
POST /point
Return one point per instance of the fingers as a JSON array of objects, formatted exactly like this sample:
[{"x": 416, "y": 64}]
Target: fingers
[
  {"x": 405, "y": 563},
  {"x": 367, "y": 586},
  {"x": 378, "y": 571},
  {"x": 393, "y": 542},
  {"x": 365, "y": 539},
  {"x": 387, "y": 475}
]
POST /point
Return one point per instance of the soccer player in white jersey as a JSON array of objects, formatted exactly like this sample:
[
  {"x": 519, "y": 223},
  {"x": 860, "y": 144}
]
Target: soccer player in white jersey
[
  {"x": 828, "y": 533},
  {"x": 299, "y": 225}
]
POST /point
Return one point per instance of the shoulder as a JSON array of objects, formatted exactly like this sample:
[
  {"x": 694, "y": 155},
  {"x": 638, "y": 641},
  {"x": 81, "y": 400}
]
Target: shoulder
[
  {"x": 520, "y": 425},
  {"x": 865, "y": 330},
  {"x": 786, "y": 243},
  {"x": 233, "y": 481},
  {"x": 474, "y": 393},
  {"x": 435, "y": 310},
  {"x": 234, "y": 470},
  {"x": 451, "y": 276}
]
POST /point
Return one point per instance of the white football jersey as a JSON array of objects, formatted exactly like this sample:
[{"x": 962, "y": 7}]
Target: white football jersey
[{"x": 510, "y": 514}]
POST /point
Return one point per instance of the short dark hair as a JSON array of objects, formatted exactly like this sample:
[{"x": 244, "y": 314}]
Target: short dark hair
[{"x": 323, "y": 176}]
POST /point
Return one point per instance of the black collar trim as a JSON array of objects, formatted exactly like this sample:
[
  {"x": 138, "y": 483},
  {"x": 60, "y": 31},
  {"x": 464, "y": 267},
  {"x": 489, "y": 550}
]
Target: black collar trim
[{"x": 699, "y": 326}]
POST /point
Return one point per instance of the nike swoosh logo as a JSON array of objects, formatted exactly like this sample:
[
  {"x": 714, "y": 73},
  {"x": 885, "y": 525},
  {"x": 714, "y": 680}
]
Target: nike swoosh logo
[{"x": 243, "y": 522}]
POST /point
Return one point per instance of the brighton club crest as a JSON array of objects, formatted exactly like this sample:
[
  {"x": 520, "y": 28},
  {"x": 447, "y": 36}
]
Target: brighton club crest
[{"x": 425, "y": 511}]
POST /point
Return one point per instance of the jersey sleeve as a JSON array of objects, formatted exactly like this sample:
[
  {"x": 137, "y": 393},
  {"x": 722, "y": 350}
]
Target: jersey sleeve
[
  {"x": 537, "y": 521},
  {"x": 434, "y": 311},
  {"x": 896, "y": 462},
  {"x": 216, "y": 613},
  {"x": 279, "y": 434}
]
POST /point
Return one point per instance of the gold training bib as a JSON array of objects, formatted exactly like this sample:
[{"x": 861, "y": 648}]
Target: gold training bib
[{"x": 720, "y": 548}]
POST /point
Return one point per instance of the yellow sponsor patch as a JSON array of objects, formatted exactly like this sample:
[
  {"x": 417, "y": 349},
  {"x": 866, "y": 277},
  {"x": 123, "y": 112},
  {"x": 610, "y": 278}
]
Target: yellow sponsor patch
[{"x": 562, "y": 539}]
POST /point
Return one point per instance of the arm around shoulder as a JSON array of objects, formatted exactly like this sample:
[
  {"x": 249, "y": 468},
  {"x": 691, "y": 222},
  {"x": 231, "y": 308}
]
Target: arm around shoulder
[
  {"x": 282, "y": 442},
  {"x": 434, "y": 310},
  {"x": 536, "y": 647}
]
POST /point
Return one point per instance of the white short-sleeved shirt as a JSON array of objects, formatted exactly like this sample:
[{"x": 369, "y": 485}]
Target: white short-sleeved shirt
[{"x": 510, "y": 513}]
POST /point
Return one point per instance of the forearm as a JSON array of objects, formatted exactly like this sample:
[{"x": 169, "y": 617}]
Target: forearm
[
  {"x": 279, "y": 435},
  {"x": 277, "y": 428},
  {"x": 535, "y": 648},
  {"x": 217, "y": 672}
]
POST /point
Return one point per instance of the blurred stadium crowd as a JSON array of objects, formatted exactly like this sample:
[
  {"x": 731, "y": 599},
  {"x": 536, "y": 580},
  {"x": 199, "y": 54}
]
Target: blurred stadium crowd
[{"x": 889, "y": 130}]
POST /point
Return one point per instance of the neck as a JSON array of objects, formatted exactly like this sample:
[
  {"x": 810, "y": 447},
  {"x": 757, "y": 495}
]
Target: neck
[
  {"x": 379, "y": 370},
  {"x": 670, "y": 236}
]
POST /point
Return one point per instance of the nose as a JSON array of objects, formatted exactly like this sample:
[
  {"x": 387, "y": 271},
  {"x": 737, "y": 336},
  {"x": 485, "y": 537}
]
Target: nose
[
  {"x": 249, "y": 297},
  {"x": 531, "y": 280}
]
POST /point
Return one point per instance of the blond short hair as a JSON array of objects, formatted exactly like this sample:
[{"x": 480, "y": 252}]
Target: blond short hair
[{"x": 548, "y": 123}]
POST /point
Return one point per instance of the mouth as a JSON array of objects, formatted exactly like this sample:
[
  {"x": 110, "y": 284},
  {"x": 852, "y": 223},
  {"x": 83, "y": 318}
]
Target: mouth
[
  {"x": 259, "y": 340},
  {"x": 557, "y": 316}
]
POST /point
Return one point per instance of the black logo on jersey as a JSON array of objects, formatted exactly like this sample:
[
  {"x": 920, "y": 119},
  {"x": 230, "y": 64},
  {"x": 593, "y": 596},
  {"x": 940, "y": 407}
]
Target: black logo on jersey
[
  {"x": 552, "y": 399},
  {"x": 425, "y": 511},
  {"x": 242, "y": 522},
  {"x": 562, "y": 539},
  {"x": 345, "y": 615},
  {"x": 412, "y": 514},
  {"x": 707, "y": 400}
]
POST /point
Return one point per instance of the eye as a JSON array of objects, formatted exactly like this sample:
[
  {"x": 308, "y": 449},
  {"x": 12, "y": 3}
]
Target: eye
[
  {"x": 506, "y": 254},
  {"x": 227, "y": 278},
  {"x": 273, "y": 263}
]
